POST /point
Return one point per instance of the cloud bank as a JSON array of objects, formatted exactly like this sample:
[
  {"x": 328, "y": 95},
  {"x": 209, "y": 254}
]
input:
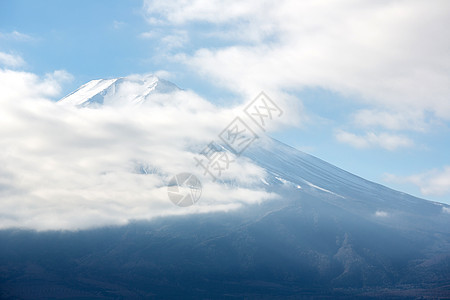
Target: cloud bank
[
  {"x": 393, "y": 53},
  {"x": 67, "y": 168},
  {"x": 389, "y": 56}
]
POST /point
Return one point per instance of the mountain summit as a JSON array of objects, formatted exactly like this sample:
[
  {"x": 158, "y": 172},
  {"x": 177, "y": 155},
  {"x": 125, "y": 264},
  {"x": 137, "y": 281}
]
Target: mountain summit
[{"x": 116, "y": 91}]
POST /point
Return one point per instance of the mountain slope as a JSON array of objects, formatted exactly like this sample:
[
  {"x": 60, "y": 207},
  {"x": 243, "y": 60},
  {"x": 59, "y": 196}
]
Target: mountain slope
[{"x": 315, "y": 177}]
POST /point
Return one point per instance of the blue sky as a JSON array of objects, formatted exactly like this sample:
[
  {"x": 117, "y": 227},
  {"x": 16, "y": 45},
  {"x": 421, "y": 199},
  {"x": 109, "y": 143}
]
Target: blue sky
[{"x": 369, "y": 82}]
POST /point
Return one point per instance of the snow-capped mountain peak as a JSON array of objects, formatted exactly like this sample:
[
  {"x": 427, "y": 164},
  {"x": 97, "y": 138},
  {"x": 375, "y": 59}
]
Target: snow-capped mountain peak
[{"x": 132, "y": 89}]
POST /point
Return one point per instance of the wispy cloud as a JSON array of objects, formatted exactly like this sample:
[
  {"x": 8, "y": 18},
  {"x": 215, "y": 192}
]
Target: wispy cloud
[
  {"x": 381, "y": 214},
  {"x": 118, "y": 24},
  {"x": 176, "y": 40},
  {"x": 180, "y": 12},
  {"x": 148, "y": 35},
  {"x": 17, "y": 36},
  {"x": 168, "y": 40},
  {"x": 370, "y": 140},
  {"x": 396, "y": 121},
  {"x": 11, "y": 60},
  {"x": 435, "y": 182}
]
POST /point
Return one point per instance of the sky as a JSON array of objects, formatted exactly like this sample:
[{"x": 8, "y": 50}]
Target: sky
[{"x": 365, "y": 84}]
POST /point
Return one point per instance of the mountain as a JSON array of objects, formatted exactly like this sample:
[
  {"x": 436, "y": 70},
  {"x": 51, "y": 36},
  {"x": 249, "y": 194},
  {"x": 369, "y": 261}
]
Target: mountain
[
  {"x": 330, "y": 234},
  {"x": 310, "y": 176},
  {"x": 100, "y": 92}
]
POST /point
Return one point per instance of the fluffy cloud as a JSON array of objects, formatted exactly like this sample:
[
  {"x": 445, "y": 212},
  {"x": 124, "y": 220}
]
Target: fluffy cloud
[
  {"x": 384, "y": 140},
  {"x": 393, "y": 53},
  {"x": 69, "y": 168},
  {"x": 390, "y": 56},
  {"x": 431, "y": 183},
  {"x": 17, "y": 85},
  {"x": 10, "y": 60}
]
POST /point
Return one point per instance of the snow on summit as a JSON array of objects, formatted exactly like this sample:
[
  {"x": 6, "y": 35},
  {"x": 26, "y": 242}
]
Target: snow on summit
[{"x": 119, "y": 91}]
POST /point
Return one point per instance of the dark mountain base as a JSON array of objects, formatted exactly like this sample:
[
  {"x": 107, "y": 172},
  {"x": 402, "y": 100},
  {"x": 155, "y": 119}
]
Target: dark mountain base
[{"x": 280, "y": 249}]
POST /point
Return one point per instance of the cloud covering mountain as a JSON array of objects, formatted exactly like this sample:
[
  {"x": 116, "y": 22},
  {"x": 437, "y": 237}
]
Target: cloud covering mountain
[{"x": 66, "y": 167}]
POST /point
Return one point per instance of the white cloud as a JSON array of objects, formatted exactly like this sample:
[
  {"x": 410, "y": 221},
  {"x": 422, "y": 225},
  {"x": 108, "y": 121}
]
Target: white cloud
[
  {"x": 164, "y": 74},
  {"x": 381, "y": 214},
  {"x": 10, "y": 60},
  {"x": 405, "y": 120},
  {"x": 15, "y": 35},
  {"x": 179, "y": 12},
  {"x": 434, "y": 182},
  {"x": 68, "y": 168},
  {"x": 16, "y": 86},
  {"x": 176, "y": 40},
  {"x": 167, "y": 40},
  {"x": 369, "y": 140},
  {"x": 148, "y": 35},
  {"x": 118, "y": 24},
  {"x": 390, "y": 54}
]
